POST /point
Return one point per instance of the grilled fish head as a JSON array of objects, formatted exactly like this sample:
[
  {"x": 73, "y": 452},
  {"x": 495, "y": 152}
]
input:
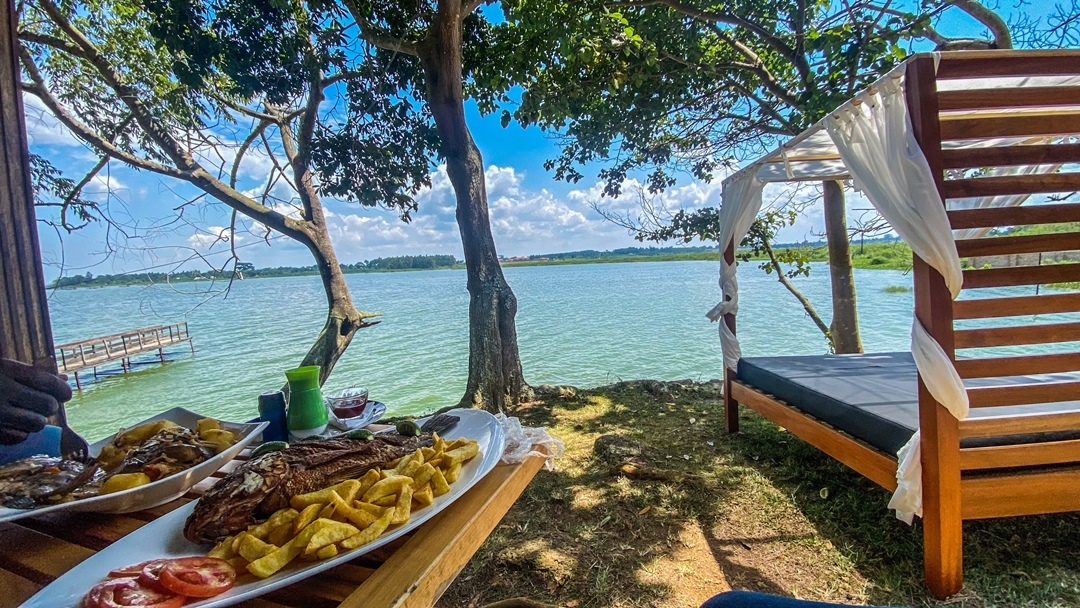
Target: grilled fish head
[{"x": 232, "y": 504}]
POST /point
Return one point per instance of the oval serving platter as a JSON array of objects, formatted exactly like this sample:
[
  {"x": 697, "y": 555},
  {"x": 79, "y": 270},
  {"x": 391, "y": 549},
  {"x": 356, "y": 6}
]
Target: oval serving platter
[
  {"x": 157, "y": 492},
  {"x": 164, "y": 538}
]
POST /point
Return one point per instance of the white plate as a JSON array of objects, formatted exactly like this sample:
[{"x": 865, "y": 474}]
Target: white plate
[
  {"x": 157, "y": 492},
  {"x": 164, "y": 537}
]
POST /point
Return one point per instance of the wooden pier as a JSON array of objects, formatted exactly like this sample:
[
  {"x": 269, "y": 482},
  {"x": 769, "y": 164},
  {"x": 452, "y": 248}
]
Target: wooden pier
[{"x": 75, "y": 357}]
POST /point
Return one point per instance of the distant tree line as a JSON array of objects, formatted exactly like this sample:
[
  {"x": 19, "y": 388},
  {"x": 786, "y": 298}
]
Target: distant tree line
[
  {"x": 247, "y": 270},
  {"x": 625, "y": 251}
]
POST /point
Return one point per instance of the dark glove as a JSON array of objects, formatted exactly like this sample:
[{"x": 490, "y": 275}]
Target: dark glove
[{"x": 28, "y": 396}]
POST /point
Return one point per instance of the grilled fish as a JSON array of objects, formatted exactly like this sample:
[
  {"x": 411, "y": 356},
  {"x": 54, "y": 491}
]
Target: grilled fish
[{"x": 259, "y": 487}]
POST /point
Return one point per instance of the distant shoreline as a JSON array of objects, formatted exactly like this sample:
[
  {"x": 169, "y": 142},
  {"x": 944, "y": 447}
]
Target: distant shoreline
[{"x": 879, "y": 256}]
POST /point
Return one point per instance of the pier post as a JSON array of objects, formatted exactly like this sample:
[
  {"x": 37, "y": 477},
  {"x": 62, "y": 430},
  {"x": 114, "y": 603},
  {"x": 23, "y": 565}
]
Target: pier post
[{"x": 78, "y": 385}]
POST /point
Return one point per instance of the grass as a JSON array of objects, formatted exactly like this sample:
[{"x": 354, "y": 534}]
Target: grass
[{"x": 704, "y": 511}]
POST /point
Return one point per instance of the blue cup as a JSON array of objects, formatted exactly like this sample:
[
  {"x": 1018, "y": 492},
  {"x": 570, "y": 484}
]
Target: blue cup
[{"x": 46, "y": 441}]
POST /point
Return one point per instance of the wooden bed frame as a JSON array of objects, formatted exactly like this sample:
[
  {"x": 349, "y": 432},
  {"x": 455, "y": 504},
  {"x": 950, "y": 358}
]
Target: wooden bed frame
[{"x": 983, "y": 482}]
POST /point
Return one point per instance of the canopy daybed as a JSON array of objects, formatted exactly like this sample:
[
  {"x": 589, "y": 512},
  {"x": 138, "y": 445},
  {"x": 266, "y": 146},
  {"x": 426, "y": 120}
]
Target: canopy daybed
[{"x": 946, "y": 147}]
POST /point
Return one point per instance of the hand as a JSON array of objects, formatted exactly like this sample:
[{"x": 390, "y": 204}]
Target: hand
[{"x": 28, "y": 396}]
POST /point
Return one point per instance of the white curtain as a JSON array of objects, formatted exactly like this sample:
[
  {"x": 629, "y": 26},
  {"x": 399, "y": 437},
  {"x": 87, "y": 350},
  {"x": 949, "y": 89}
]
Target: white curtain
[
  {"x": 875, "y": 140},
  {"x": 740, "y": 203}
]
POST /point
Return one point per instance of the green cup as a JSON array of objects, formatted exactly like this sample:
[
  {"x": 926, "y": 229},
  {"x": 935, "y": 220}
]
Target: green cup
[{"x": 307, "y": 411}]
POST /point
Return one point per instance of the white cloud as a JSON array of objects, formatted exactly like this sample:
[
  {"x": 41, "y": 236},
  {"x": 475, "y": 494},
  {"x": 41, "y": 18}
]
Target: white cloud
[
  {"x": 42, "y": 128},
  {"x": 523, "y": 221},
  {"x": 212, "y": 237}
]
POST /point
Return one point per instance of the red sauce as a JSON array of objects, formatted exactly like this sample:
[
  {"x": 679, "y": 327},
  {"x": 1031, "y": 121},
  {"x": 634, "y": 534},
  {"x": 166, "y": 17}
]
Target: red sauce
[{"x": 350, "y": 411}]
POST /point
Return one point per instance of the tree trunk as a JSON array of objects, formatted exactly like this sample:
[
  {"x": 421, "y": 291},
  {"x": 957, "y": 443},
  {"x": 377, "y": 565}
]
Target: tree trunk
[
  {"x": 844, "y": 330},
  {"x": 342, "y": 319},
  {"x": 495, "y": 377}
]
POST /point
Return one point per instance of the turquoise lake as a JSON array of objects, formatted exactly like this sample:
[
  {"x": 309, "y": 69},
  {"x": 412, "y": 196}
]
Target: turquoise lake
[{"x": 583, "y": 325}]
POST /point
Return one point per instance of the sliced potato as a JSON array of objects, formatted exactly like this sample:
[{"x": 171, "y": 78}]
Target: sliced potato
[
  {"x": 239, "y": 538},
  {"x": 457, "y": 443},
  {"x": 370, "y": 533},
  {"x": 272, "y": 562},
  {"x": 411, "y": 468},
  {"x": 206, "y": 424},
  {"x": 403, "y": 462},
  {"x": 403, "y": 508},
  {"x": 223, "y": 550},
  {"x": 308, "y": 515},
  {"x": 262, "y": 531},
  {"x": 462, "y": 454},
  {"x": 301, "y": 501},
  {"x": 329, "y": 534},
  {"x": 124, "y": 481},
  {"x": 251, "y": 548},
  {"x": 386, "y": 487},
  {"x": 386, "y": 501},
  {"x": 238, "y": 563},
  {"x": 369, "y": 479},
  {"x": 424, "y": 497},
  {"x": 439, "y": 485},
  {"x": 357, "y": 517},
  {"x": 220, "y": 438},
  {"x": 453, "y": 473},
  {"x": 281, "y": 534},
  {"x": 423, "y": 476},
  {"x": 327, "y": 511},
  {"x": 375, "y": 510},
  {"x": 327, "y": 552}
]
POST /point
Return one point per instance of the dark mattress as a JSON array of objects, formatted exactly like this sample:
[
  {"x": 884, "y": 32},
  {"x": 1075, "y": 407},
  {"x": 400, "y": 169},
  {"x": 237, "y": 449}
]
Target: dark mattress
[{"x": 874, "y": 397}]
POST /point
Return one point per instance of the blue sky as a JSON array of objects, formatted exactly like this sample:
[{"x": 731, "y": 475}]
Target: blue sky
[{"x": 531, "y": 212}]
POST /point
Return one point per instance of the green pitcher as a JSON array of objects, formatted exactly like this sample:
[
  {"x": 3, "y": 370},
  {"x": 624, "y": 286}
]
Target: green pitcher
[{"x": 307, "y": 412}]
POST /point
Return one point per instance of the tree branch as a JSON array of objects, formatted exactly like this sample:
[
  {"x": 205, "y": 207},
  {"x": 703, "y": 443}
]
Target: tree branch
[
  {"x": 468, "y": 6},
  {"x": 768, "y": 37},
  {"x": 255, "y": 133},
  {"x": 80, "y": 129},
  {"x": 387, "y": 43},
  {"x": 51, "y": 41},
  {"x": 127, "y": 94},
  {"x": 997, "y": 26},
  {"x": 807, "y": 306}
]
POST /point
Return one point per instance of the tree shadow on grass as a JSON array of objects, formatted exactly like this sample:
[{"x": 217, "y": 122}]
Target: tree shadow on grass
[
  {"x": 586, "y": 535},
  {"x": 1015, "y": 562}
]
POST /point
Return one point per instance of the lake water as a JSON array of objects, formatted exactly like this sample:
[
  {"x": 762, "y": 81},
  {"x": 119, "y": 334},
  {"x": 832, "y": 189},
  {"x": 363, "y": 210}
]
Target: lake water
[{"x": 583, "y": 325}]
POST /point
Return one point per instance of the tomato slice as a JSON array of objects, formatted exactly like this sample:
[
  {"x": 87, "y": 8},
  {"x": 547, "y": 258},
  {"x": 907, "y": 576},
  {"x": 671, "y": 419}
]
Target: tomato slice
[
  {"x": 126, "y": 592},
  {"x": 150, "y": 575},
  {"x": 198, "y": 576},
  {"x": 133, "y": 570}
]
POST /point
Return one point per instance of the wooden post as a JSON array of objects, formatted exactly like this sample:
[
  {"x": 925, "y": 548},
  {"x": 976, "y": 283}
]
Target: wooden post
[
  {"x": 25, "y": 333},
  {"x": 943, "y": 539},
  {"x": 731, "y": 406}
]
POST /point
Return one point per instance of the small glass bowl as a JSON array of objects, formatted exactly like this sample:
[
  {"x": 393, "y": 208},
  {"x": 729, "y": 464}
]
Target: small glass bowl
[{"x": 349, "y": 403}]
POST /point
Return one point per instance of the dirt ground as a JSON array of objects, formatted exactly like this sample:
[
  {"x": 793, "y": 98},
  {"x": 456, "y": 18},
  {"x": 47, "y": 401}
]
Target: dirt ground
[{"x": 654, "y": 505}]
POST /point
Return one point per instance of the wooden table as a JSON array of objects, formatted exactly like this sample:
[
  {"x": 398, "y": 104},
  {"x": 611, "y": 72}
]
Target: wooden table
[{"x": 410, "y": 572}]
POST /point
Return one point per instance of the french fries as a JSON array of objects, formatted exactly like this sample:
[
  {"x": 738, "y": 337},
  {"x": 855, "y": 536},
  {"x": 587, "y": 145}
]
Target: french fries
[{"x": 322, "y": 524}]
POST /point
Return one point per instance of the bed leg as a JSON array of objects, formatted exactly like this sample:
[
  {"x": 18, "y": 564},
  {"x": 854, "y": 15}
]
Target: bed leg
[
  {"x": 943, "y": 525},
  {"x": 731, "y": 406}
]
